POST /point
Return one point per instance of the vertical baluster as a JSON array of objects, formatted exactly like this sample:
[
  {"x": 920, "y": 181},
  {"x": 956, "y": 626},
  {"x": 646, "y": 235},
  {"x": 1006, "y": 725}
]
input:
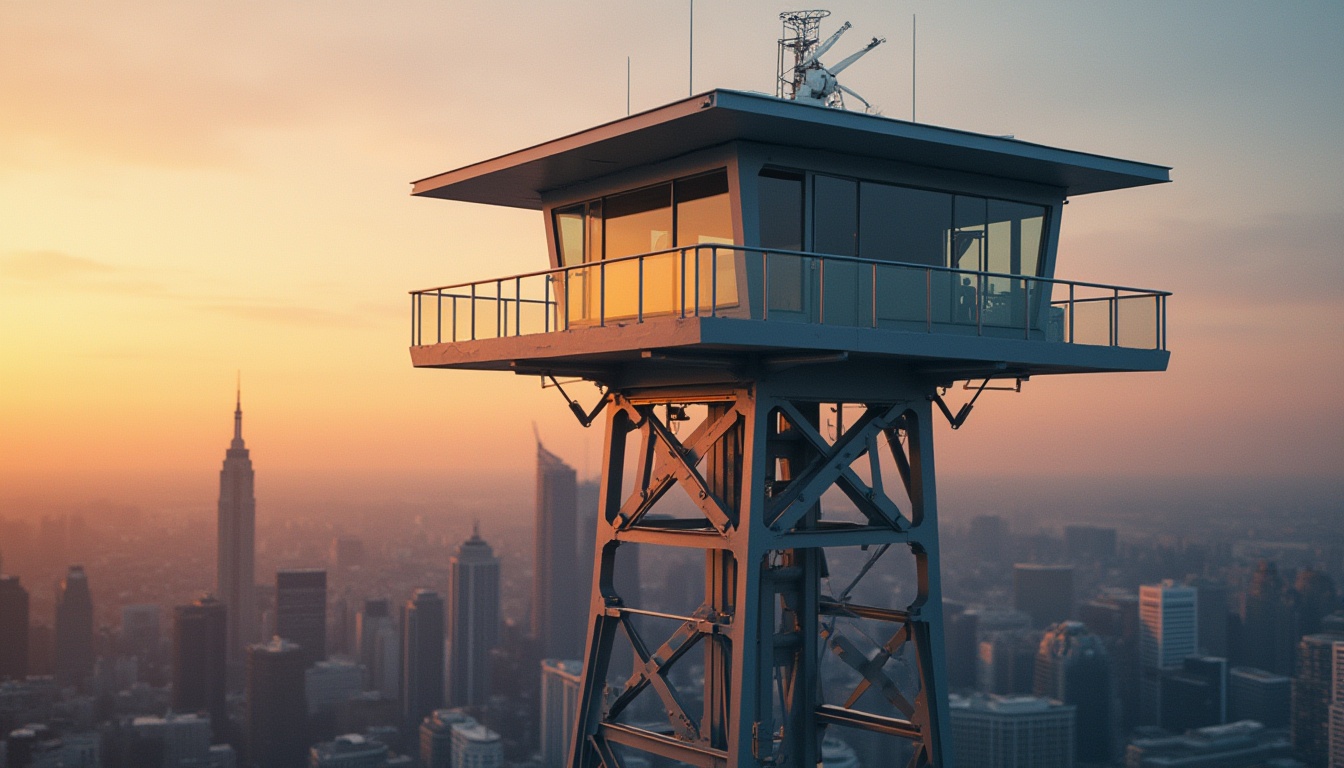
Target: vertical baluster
[{"x": 639, "y": 314}]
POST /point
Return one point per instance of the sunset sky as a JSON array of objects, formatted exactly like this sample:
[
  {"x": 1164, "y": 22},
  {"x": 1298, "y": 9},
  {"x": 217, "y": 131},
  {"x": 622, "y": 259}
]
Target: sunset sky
[{"x": 190, "y": 189}]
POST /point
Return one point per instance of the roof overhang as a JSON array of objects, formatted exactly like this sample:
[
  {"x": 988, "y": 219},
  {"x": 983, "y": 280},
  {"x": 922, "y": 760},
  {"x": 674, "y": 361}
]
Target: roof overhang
[{"x": 519, "y": 179}]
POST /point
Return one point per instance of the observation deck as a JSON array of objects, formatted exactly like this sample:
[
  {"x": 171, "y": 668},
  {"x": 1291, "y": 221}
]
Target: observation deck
[{"x": 591, "y": 320}]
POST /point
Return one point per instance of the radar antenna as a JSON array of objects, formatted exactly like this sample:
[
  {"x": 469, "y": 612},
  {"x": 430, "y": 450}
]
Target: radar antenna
[{"x": 801, "y": 75}]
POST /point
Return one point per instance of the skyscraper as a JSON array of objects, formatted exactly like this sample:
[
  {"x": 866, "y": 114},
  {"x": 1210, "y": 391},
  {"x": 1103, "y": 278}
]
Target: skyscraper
[
  {"x": 473, "y": 610},
  {"x": 1313, "y": 682},
  {"x": 301, "y": 610},
  {"x": 555, "y": 602},
  {"x": 1267, "y": 632},
  {"x": 560, "y": 686},
  {"x": 1012, "y": 732},
  {"x": 74, "y": 629},
  {"x": 1169, "y": 632},
  {"x": 236, "y": 584},
  {"x": 199, "y": 658},
  {"x": 1254, "y": 694},
  {"x": 1336, "y": 711},
  {"x": 13, "y": 628},
  {"x": 1044, "y": 592},
  {"x": 436, "y": 736},
  {"x": 422, "y": 656},
  {"x": 1074, "y": 667},
  {"x": 277, "y": 707},
  {"x": 380, "y": 647}
]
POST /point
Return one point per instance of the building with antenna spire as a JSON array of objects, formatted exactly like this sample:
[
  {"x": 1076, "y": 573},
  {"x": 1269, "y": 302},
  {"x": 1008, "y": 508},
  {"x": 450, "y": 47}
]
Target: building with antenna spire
[
  {"x": 473, "y": 620},
  {"x": 237, "y": 521}
]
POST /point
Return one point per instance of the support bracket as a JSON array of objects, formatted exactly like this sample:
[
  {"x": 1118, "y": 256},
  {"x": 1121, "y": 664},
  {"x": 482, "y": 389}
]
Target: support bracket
[{"x": 585, "y": 418}]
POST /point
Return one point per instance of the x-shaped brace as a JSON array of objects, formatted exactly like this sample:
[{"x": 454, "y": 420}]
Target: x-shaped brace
[
  {"x": 832, "y": 467},
  {"x": 651, "y": 670},
  {"x": 871, "y": 669},
  {"x": 664, "y": 461}
]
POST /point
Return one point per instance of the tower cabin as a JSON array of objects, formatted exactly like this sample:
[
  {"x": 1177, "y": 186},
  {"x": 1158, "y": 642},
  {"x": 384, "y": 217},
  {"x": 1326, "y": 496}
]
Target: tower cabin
[{"x": 734, "y": 229}]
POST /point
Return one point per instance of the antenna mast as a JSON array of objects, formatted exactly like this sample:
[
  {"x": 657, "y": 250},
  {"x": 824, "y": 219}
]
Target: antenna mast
[{"x": 805, "y": 78}]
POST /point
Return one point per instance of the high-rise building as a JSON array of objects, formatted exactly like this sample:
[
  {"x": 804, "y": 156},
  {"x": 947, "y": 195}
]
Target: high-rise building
[
  {"x": 475, "y": 746},
  {"x": 236, "y": 584},
  {"x": 1012, "y": 732},
  {"x": 199, "y": 660},
  {"x": 1254, "y": 694},
  {"x": 1073, "y": 666},
  {"x": 74, "y": 629},
  {"x": 1169, "y": 632},
  {"x": 473, "y": 611},
  {"x": 555, "y": 601},
  {"x": 1194, "y": 696},
  {"x": 348, "y": 751},
  {"x": 561, "y": 682},
  {"x": 1044, "y": 592},
  {"x": 301, "y": 610},
  {"x": 380, "y": 647},
  {"x": 1336, "y": 713},
  {"x": 422, "y": 655},
  {"x": 183, "y": 740},
  {"x": 1115, "y": 617},
  {"x": 13, "y": 629},
  {"x": 436, "y": 736},
  {"x": 1267, "y": 634},
  {"x": 328, "y": 684},
  {"x": 1313, "y": 686},
  {"x": 276, "y": 707},
  {"x": 1244, "y": 743},
  {"x": 1316, "y": 599},
  {"x": 1212, "y": 616}
]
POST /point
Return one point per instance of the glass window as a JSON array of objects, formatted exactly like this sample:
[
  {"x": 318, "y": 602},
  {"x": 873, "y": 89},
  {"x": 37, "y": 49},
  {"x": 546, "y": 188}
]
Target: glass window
[
  {"x": 781, "y": 222},
  {"x": 705, "y": 217},
  {"x": 569, "y": 234},
  {"x": 638, "y": 222},
  {"x": 903, "y": 224},
  {"x": 835, "y": 216}
]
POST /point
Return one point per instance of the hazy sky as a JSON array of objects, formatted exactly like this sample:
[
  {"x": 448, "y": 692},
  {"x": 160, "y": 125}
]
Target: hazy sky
[{"x": 190, "y": 189}]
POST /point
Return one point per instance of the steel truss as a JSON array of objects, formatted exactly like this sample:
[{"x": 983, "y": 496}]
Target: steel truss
[{"x": 755, "y": 469}]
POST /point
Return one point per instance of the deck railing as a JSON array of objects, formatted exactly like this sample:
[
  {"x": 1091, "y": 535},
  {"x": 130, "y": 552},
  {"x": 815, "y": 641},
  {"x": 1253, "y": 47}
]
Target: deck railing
[{"x": 790, "y": 286}]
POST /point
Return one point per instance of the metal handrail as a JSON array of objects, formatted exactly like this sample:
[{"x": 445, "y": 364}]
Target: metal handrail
[{"x": 600, "y": 312}]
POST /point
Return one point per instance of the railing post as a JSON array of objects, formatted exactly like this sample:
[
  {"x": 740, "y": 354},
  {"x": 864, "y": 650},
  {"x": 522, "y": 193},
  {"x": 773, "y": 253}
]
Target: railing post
[
  {"x": 713, "y": 279},
  {"x": 821, "y": 291},
  {"x": 1071, "y": 314},
  {"x": 928, "y": 301},
  {"x": 874, "y": 287},
  {"x": 1115, "y": 317},
  {"x": 979, "y": 303},
  {"x": 765, "y": 285},
  {"x": 438, "y": 323},
  {"x": 639, "y": 313},
  {"x": 414, "y": 340},
  {"x": 602, "y": 294},
  {"x": 697, "y": 281},
  {"x": 472, "y": 310},
  {"x": 1163, "y": 302},
  {"x": 568, "y": 280},
  {"x": 682, "y": 292},
  {"x": 1026, "y": 309},
  {"x": 518, "y": 306}
]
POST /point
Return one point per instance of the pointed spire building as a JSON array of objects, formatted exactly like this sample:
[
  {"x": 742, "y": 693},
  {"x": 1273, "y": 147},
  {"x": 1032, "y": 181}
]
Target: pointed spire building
[{"x": 237, "y": 542}]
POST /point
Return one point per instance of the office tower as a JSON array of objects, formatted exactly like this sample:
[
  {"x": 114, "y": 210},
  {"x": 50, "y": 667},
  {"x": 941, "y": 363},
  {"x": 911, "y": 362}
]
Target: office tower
[
  {"x": 560, "y": 686},
  {"x": 328, "y": 684},
  {"x": 1212, "y": 616},
  {"x": 1115, "y": 617},
  {"x": 348, "y": 751},
  {"x": 1245, "y": 743},
  {"x": 301, "y": 610},
  {"x": 380, "y": 647},
  {"x": 1267, "y": 632},
  {"x": 1169, "y": 631},
  {"x": 436, "y": 736},
  {"x": 183, "y": 741},
  {"x": 1316, "y": 599},
  {"x": 421, "y": 655},
  {"x": 473, "y": 611},
  {"x": 1006, "y": 661},
  {"x": 276, "y": 707},
  {"x": 1313, "y": 684},
  {"x": 1044, "y": 592},
  {"x": 586, "y": 495},
  {"x": 13, "y": 629},
  {"x": 962, "y": 646},
  {"x": 74, "y": 629},
  {"x": 1194, "y": 696},
  {"x": 1073, "y": 666},
  {"x": 200, "y": 653},
  {"x": 236, "y": 584},
  {"x": 1254, "y": 694},
  {"x": 1011, "y": 732},
  {"x": 475, "y": 746},
  {"x": 1336, "y": 712},
  {"x": 555, "y": 601},
  {"x": 1089, "y": 545}
]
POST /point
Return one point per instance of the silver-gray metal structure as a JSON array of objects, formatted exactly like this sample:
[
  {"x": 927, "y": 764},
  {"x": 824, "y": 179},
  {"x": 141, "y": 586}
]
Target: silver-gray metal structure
[{"x": 769, "y": 404}]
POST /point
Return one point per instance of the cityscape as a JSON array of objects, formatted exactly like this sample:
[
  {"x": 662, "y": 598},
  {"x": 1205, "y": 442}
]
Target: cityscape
[{"x": 656, "y": 485}]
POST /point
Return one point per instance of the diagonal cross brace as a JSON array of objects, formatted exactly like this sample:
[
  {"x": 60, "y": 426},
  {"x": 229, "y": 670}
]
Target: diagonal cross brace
[
  {"x": 832, "y": 467},
  {"x": 871, "y": 669},
  {"x": 675, "y": 462},
  {"x": 651, "y": 670}
]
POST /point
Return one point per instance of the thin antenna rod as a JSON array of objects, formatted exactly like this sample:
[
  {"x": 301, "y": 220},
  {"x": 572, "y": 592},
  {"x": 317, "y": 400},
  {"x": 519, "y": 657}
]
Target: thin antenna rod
[
  {"x": 627, "y": 86},
  {"x": 690, "y": 80},
  {"x": 914, "y": 60}
]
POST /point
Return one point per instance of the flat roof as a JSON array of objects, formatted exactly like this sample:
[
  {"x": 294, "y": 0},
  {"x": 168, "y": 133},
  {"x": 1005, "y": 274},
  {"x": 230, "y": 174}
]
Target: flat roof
[{"x": 519, "y": 179}]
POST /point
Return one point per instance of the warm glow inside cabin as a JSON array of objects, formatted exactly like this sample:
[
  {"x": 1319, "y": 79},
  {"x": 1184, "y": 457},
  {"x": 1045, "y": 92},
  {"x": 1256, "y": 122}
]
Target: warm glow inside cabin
[{"x": 743, "y": 207}]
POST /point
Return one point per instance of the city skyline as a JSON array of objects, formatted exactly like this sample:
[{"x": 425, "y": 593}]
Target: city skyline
[{"x": 284, "y": 259}]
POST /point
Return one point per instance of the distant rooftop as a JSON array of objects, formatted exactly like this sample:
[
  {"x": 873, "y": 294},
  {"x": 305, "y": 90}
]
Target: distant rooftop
[{"x": 519, "y": 179}]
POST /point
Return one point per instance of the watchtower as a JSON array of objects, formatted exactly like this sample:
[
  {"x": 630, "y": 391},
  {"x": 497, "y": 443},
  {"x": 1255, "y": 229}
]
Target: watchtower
[{"x": 799, "y": 284}]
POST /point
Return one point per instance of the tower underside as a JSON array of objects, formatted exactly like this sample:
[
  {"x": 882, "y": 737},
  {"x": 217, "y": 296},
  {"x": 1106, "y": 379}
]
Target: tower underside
[{"x": 809, "y": 503}]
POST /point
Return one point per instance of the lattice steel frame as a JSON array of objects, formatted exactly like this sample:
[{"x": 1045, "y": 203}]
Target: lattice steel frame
[{"x": 756, "y": 468}]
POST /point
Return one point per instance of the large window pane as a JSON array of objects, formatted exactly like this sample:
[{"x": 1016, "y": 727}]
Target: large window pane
[
  {"x": 835, "y": 216},
  {"x": 705, "y": 217},
  {"x": 638, "y": 222},
  {"x": 903, "y": 224},
  {"x": 781, "y": 225},
  {"x": 569, "y": 235}
]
